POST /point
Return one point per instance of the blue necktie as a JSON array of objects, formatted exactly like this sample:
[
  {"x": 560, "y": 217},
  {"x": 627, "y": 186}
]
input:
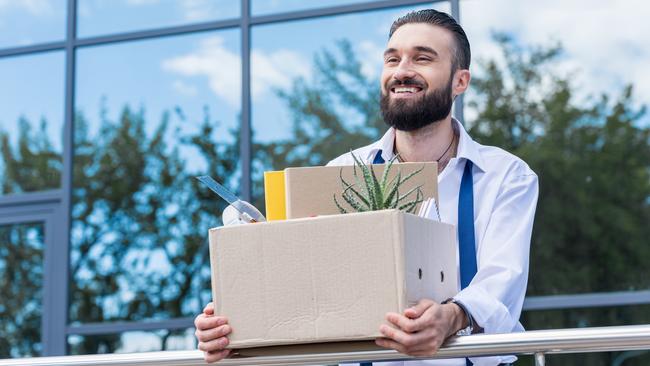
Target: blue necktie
[{"x": 466, "y": 239}]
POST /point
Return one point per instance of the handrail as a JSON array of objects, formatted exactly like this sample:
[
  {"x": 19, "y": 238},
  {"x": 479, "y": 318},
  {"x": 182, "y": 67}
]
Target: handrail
[{"x": 538, "y": 342}]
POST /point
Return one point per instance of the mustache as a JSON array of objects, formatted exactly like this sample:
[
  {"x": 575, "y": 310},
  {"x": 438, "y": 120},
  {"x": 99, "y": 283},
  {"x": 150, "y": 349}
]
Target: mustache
[{"x": 406, "y": 82}]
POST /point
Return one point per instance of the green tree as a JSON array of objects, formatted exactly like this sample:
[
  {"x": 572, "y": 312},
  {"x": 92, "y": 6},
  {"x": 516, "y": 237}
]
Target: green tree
[
  {"x": 21, "y": 289},
  {"x": 33, "y": 165},
  {"x": 136, "y": 207},
  {"x": 139, "y": 222},
  {"x": 593, "y": 160}
]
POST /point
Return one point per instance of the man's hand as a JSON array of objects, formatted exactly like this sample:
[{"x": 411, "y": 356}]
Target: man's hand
[
  {"x": 422, "y": 329},
  {"x": 211, "y": 331}
]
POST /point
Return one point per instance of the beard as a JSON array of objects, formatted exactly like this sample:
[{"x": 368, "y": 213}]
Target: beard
[{"x": 410, "y": 115}]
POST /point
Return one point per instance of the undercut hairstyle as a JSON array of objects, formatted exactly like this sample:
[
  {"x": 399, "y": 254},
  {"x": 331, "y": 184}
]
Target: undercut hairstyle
[{"x": 462, "y": 55}]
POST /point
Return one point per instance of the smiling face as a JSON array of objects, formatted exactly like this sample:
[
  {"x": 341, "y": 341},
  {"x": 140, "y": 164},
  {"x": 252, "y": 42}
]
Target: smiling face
[{"x": 417, "y": 82}]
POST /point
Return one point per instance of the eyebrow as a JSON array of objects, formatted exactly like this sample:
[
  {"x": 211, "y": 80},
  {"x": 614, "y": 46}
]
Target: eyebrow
[{"x": 424, "y": 49}]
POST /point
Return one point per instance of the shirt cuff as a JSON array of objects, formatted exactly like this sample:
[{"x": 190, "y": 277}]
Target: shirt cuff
[{"x": 486, "y": 311}]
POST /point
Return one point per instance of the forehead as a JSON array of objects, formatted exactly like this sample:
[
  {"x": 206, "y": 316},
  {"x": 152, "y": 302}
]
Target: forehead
[{"x": 411, "y": 35}]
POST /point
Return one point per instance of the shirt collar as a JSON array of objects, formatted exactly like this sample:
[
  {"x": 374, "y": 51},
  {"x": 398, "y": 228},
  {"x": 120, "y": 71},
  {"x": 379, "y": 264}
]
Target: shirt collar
[{"x": 467, "y": 148}]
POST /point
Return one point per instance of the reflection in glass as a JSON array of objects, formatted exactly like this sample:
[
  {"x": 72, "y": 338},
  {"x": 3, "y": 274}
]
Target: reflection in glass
[
  {"x": 31, "y": 122},
  {"x": 100, "y": 17},
  {"x": 150, "y": 116},
  {"x": 263, "y": 7},
  {"x": 21, "y": 282},
  {"x": 530, "y": 96},
  {"x": 131, "y": 342},
  {"x": 24, "y": 23},
  {"x": 315, "y": 88}
]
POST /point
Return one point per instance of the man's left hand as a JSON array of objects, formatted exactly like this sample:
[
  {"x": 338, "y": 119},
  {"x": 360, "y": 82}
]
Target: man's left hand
[{"x": 422, "y": 329}]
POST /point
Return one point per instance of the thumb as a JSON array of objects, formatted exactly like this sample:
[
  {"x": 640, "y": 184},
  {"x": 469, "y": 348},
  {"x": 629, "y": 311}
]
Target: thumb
[
  {"x": 209, "y": 309},
  {"x": 418, "y": 309}
]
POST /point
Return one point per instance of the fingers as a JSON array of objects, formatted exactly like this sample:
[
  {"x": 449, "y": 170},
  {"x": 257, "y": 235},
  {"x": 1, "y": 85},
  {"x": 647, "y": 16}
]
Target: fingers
[
  {"x": 405, "y": 324},
  {"x": 214, "y": 333},
  {"x": 209, "y": 309},
  {"x": 214, "y": 345},
  {"x": 211, "y": 332},
  {"x": 203, "y": 322},
  {"x": 423, "y": 342},
  {"x": 215, "y": 356},
  {"x": 419, "y": 308},
  {"x": 399, "y": 336}
]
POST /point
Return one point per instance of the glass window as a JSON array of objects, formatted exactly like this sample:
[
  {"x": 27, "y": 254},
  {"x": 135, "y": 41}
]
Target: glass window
[
  {"x": 151, "y": 115},
  {"x": 131, "y": 342},
  {"x": 23, "y": 23},
  {"x": 315, "y": 88},
  {"x": 264, "y": 7},
  {"x": 21, "y": 282},
  {"x": 569, "y": 103},
  {"x": 31, "y": 122},
  {"x": 100, "y": 17}
]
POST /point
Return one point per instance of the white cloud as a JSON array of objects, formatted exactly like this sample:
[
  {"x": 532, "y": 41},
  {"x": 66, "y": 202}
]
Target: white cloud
[
  {"x": 184, "y": 88},
  {"x": 197, "y": 10},
  {"x": 222, "y": 68},
  {"x": 605, "y": 41},
  {"x": 212, "y": 60},
  {"x": 276, "y": 70},
  {"x": 34, "y": 7}
]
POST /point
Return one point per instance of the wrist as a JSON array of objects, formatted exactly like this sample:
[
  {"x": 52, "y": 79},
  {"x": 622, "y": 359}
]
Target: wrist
[{"x": 461, "y": 322}]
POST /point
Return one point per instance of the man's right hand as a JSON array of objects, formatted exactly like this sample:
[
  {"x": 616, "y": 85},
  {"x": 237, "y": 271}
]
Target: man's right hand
[{"x": 211, "y": 332}]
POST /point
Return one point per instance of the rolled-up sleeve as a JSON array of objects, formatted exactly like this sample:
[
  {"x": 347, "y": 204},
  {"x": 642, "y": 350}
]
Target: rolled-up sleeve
[{"x": 496, "y": 294}]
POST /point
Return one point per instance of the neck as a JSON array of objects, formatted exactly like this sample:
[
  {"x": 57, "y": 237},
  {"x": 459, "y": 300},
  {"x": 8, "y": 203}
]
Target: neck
[{"x": 428, "y": 143}]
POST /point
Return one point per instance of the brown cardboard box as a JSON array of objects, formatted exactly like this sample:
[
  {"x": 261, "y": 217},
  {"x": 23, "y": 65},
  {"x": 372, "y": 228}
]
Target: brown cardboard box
[
  {"x": 328, "y": 278},
  {"x": 309, "y": 190}
]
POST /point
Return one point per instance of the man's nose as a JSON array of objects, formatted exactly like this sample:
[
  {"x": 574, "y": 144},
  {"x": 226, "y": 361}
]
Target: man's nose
[{"x": 404, "y": 71}]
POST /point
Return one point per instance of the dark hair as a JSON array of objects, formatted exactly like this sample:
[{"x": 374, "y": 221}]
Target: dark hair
[{"x": 462, "y": 55}]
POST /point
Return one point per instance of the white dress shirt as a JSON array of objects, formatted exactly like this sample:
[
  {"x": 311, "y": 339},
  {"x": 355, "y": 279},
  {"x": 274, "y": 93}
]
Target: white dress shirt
[{"x": 505, "y": 198}]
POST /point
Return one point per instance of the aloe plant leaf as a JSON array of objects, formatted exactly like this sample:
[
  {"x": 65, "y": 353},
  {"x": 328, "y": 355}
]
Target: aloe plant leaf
[
  {"x": 347, "y": 186},
  {"x": 414, "y": 189},
  {"x": 410, "y": 206},
  {"x": 384, "y": 177},
  {"x": 377, "y": 189},
  {"x": 368, "y": 181},
  {"x": 352, "y": 202},
  {"x": 391, "y": 194},
  {"x": 341, "y": 209},
  {"x": 412, "y": 174}
]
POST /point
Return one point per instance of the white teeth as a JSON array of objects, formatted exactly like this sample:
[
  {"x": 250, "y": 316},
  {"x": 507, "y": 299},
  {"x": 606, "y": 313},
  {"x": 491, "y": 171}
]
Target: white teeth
[{"x": 405, "y": 90}]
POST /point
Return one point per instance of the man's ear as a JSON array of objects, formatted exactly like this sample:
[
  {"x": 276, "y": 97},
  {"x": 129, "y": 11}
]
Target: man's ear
[{"x": 461, "y": 81}]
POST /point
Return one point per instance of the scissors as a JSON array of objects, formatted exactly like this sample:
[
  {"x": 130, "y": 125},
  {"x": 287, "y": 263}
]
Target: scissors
[{"x": 247, "y": 212}]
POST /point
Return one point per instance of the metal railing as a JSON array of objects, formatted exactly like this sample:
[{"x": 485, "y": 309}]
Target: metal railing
[{"x": 538, "y": 343}]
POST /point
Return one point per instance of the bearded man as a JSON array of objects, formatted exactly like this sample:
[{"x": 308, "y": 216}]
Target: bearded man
[{"x": 488, "y": 193}]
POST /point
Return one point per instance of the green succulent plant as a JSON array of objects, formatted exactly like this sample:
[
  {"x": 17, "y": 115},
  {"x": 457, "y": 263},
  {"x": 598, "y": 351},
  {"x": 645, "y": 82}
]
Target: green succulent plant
[{"x": 368, "y": 193}]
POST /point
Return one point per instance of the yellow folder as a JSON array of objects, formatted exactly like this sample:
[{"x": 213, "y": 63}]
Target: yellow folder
[{"x": 274, "y": 196}]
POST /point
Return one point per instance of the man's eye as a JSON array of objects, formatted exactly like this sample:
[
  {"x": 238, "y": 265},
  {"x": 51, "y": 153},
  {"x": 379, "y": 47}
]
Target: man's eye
[
  {"x": 423, "y": 59},
  {"x": 391, "y": 60}
]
